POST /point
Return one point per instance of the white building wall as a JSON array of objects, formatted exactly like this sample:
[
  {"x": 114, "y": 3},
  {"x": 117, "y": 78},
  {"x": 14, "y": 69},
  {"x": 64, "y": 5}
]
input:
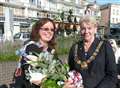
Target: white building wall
[
  {"x": 115, "y": 14},
  {"x": 77, "y": 1},
  {"x": 45, "y": 4},
  {"x": 60, "y": 6},
  {"x": 52, "y": 6},
  {"x": 16, "y": 27},
  {"x": 26, "y": 12},
  {"x": 2, "y": 0},
  {"x": 32, "y": 13},
  {"x": 8, "y": 26}
]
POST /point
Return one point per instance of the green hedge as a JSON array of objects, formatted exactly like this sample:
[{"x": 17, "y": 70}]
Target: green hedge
[
  {"x": 8, "y": 57},
  {"x": 7, "y": 49},
  {"x": 64, "y": 44}
]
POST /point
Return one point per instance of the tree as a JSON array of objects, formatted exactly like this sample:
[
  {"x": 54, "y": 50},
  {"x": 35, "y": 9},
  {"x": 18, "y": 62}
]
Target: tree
[
  {"x": 75, "y": 20},
  {"x": 69, "y": 18},
  {"x": 62, "y": 16}
]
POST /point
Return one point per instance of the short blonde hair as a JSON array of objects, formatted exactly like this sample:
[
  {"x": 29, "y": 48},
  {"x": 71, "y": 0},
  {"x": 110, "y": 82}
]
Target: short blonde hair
[{"x": 88, "y": 19}]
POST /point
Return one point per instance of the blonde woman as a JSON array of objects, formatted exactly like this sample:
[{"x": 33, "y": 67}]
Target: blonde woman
[{"x": 93, "y": 58}]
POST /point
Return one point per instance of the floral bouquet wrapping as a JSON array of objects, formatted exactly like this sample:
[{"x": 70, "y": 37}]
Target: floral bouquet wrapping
[
  {"x": 76, "y": 78},
  {"x": 50, "y": 70}
]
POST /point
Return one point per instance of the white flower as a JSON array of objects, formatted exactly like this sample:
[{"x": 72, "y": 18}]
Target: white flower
[
  {"x": 45, "y": 55},
  {"x": 32, "y": 60},
  {"x": 52, "y": 51},
  {"x": 32, "y": 57},
  {"x": 32, "y": 63},
  {"x": 36, "y": 76}
]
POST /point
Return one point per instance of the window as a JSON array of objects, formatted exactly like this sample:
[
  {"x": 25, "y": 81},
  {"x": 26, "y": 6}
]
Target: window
[
  {"x": 1, "y": 10},
  {"x": 113, "y": 20},
  {"x": 22, "y": 36},
  {"x": 26, "y": 35},
  {"x": 18, "y": 12},
  {"x": 116, "y": 20},
  {"x": 117, "y": 12},
  {"x": 32, "y": 2},
  {"x": 114, "y": 31},
  {"x": 6, "y": 0},
  {"x": 113, "y": 11},
  {"x": 17, "y": 36}
]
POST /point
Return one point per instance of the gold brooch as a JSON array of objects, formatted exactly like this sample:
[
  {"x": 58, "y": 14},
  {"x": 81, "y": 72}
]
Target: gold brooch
[{"x": 83, "y": 64}]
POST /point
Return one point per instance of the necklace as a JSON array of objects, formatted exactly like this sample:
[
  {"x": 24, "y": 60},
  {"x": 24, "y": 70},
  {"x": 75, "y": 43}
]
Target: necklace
[{"x": 84, "y": 64}]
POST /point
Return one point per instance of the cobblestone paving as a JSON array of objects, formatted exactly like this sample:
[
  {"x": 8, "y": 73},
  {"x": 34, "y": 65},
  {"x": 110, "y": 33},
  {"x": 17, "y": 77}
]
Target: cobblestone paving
[{"x": 6, "y": 72}]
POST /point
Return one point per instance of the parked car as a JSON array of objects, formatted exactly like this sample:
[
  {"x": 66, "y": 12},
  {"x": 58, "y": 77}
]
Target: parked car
[
  {"x": 22, "y": 36},
  {"x": 111, "y": 36}
]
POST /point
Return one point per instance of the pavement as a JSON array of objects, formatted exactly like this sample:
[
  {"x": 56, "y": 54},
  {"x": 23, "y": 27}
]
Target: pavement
[{"x": 6, "y": 73}]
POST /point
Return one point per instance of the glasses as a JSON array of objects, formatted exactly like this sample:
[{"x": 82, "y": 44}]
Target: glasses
[{"x": 47, "y": 29}]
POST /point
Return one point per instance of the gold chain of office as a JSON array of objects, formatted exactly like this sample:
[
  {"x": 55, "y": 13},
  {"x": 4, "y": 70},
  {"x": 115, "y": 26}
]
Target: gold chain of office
[{"x": 84, "y": 64}]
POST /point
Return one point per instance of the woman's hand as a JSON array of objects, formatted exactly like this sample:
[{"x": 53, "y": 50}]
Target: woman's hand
[
  {"x": 18, "y": 72},
  {"x": 69, "y": 84}
]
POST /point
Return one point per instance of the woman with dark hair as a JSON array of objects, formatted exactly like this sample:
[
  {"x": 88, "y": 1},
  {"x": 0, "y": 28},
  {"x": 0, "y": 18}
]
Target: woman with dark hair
[
  {"x": 36, "y": 36},
  {"x": 42, "y": 39}
]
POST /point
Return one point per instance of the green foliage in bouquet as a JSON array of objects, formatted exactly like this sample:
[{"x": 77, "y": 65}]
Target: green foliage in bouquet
[
  {"x": 50, "y": 84},
  {"x": 52, "y": 68}
]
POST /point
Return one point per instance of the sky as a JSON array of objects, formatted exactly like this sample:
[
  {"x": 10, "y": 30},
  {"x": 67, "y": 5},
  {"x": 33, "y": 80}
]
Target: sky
[{"x": 106, "y": 1}]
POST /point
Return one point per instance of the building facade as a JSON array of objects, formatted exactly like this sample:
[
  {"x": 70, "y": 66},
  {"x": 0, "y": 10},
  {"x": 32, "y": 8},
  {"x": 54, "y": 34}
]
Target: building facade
[
  {"x": 18, "y": 15},
  {"x": 110, "y": 15}
]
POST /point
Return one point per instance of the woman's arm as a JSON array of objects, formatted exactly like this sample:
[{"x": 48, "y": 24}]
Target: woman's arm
[{"x": 110, "y": 78}]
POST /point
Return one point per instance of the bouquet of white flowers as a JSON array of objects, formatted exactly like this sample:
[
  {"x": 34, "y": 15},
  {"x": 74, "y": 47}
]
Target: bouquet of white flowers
[{"x": 50, "y": 70}]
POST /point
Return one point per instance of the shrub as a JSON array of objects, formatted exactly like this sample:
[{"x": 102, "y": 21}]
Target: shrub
[
  {"x": 64, "y": 44},
  {"x": 8, "y": 57},
  {"x": 7, "y": 49}
]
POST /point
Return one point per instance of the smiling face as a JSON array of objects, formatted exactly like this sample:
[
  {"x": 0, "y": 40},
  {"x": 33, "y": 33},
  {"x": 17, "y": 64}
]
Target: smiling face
[
  {"x": 46, "y": 32},
  {"x": 88, "y": 31}
]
